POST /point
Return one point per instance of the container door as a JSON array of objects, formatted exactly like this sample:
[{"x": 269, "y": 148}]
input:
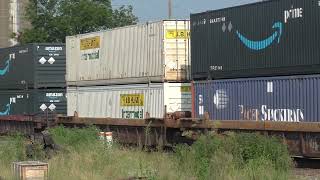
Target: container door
[
  {"x": 176, "y": 50},
  {"x": 177, "y": 97}
]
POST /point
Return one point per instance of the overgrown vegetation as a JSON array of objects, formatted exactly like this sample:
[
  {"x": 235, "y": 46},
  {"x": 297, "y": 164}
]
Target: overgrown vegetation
[
  {"x": 235, "y": 156},
  {"x": 84, "y": 156}
]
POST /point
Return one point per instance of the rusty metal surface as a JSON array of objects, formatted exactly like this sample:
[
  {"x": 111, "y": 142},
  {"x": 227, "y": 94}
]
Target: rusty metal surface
[
  {"x": 267, "y": 126},
  {"x": 302, "y": 139},
  {"x": 23, "y": 127},
  {"x": 16, "y": 118},
  {"x": 102, "y": 121},
  {"x": 198, "y": 123}
]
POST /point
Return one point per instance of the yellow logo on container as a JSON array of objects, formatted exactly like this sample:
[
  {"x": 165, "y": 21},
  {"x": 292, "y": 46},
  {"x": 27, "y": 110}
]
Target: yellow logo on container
[
  {"x": 132, "y": 100},
  {"x": 90, "y": 43},
  {"x": 177, "y": 34},
  {"x": 185, "y": 89}
]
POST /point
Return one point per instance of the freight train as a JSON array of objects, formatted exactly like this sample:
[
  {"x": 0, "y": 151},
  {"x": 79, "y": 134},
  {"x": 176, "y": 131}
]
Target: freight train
[{"x": 224, "y": 65}]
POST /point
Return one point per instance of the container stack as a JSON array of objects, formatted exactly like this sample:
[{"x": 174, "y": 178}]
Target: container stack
[
  {"x": 262, "y": 61},
  {"x": 130, "y": 72},
  {"x": 32, "y": 79}
]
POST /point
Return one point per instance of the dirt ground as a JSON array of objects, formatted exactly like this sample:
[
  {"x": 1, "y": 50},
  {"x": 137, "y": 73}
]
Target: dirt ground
[{"x": 307, "y": 174}]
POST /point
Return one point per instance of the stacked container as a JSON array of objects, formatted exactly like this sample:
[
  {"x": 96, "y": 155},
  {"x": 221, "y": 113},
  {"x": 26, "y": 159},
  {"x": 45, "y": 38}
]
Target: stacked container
[
  {"x": 32, "y": 79},
  {"x": 131, "y": 71},
  {"x": 262, "y": 61}
]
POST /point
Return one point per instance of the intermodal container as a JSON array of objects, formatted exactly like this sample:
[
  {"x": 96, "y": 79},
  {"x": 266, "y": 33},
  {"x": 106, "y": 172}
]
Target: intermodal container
[
  {"x": 33, "y": 66},
  {"x": 276, "y": 37},
  {"x": 132, "y": 101},
  {"x": 285, "y": 98},
  {"x": 151, "y": 52},
  {"x": 36, "y": 102}
]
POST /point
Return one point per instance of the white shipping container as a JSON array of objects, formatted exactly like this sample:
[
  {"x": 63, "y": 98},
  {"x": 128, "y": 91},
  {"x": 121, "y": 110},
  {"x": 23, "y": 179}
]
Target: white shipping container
[
  {"x": 155, "y": 52},
  {"x": 129, "y": 101}
]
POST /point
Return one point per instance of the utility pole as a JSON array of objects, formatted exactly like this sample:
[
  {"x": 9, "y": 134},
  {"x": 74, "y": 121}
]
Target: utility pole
[{"x": 169, "y": 9}]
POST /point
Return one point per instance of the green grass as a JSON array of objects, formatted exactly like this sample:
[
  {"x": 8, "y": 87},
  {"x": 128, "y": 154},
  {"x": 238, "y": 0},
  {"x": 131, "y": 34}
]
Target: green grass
[
  {"x": 83, "y": 156},
  {"x": 236, "y": 156}
]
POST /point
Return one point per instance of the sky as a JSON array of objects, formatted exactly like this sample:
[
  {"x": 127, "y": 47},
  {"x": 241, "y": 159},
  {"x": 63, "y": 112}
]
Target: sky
[{"x": 153, "y": 10}]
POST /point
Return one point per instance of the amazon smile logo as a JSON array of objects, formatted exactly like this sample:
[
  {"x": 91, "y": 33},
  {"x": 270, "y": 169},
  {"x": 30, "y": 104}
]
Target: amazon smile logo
[
  {"x": 6, "y": 68},
  {"x": 262, "y": 44},
  {"x": 6, "y": 111}
]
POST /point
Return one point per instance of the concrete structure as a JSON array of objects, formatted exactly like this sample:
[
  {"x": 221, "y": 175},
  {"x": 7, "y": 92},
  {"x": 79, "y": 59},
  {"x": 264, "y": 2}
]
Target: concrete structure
[{"x": 12, "y": 19}]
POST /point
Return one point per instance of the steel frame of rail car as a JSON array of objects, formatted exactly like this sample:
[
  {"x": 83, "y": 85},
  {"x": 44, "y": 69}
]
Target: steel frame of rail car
[
  {"x": 303, "y": 139},
  {"x": 25, "y": 125}
]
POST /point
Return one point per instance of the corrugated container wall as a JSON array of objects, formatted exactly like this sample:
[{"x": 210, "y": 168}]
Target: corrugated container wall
[
  {"x": 286, "y": 98},
  {"x": 155, "y": 52},
  {"x": 33, "y": 66},
  {"x": 129, "y": 101},
  {"x": 28, "y": 102},
  {"x": 276, "y": 37}
]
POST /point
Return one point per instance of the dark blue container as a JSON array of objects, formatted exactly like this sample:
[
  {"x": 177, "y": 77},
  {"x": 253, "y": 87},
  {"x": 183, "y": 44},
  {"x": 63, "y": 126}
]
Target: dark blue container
[
  {"x": 33, "y": 66},
  {"x": 287, "y": 98},
  {"x": 31, "y": 102},
  {"x": 269, "y": 38}
]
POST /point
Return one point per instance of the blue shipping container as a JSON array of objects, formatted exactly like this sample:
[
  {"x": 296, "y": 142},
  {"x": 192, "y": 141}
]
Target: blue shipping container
[{"x": 287, "y": 98}]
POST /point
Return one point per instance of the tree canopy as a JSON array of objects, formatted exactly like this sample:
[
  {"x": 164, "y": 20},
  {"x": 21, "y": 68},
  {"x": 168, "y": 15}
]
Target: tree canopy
[{"x": 53, "y": 20}]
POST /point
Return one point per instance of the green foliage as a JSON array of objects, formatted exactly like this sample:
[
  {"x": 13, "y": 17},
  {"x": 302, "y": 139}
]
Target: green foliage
[
  {"x": 123, "y": 16},
  {"x": 88, "y": 158},
  {"x": 231, "y": 157},
  {"x": 12, "y": 149},
  {"x": 53, "y": 20},
  {"x": 76, "y": 137},
  {"x": 236, "y": 155},
  {"x": 246, "y": 147}
]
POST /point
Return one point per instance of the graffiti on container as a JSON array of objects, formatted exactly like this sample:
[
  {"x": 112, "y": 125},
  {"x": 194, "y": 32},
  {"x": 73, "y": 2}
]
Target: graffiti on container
[
  {"x": 132, "y": 114},
  {"x": 268, "y": 114}
]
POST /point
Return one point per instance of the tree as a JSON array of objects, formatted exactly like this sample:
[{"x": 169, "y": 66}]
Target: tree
[
  {"x": 53, "y": 20},
  {"x": 123, "y": 16}
]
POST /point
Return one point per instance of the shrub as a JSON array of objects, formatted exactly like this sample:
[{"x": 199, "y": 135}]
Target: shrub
[{"x": 234, "y": 155}]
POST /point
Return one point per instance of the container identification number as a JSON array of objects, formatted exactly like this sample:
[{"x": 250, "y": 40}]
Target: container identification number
[
  {"x": 216, "y": 68},
  {"x": 177, "y": 34},
  {"x": 90, "y": 43},
  {"x": 185, "y": 89},
  {"x": 132, "y": 100},
  {"x": 132, "y": 114}
]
